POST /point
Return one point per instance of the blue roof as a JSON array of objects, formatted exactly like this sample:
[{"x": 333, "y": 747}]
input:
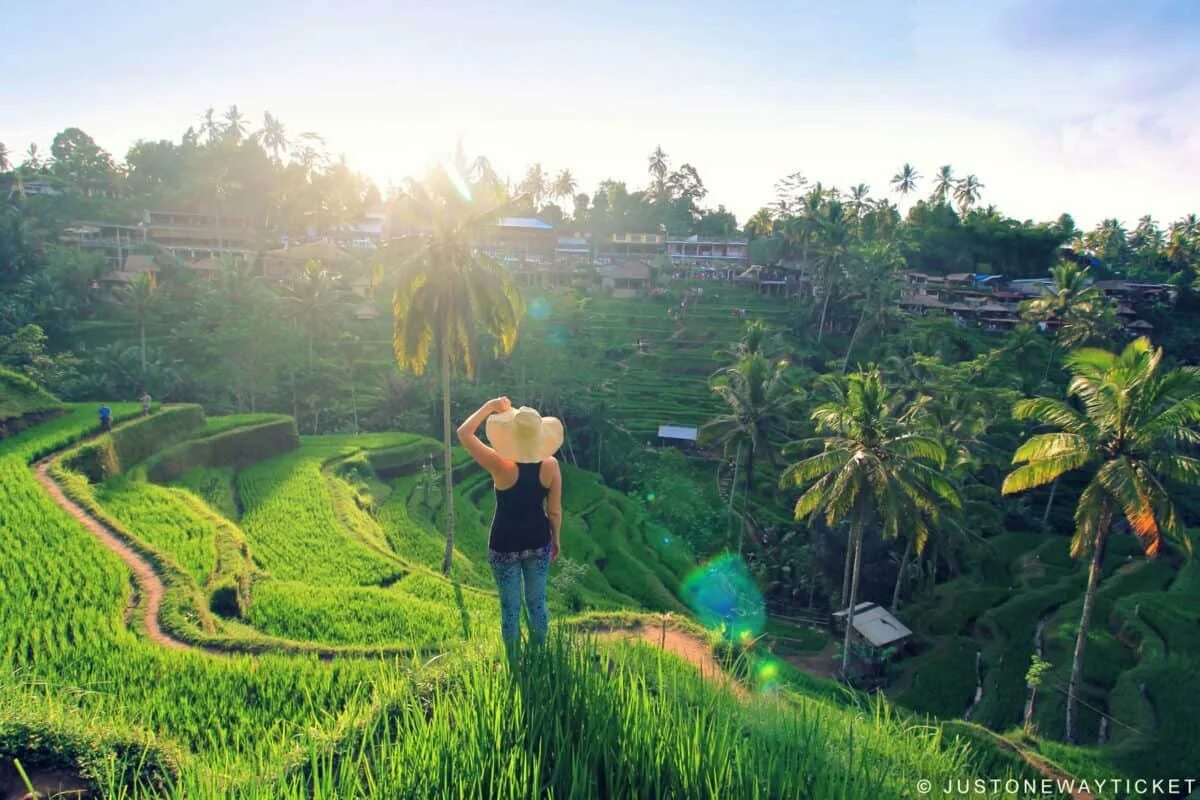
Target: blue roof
[{"x": 532, "y": 223}]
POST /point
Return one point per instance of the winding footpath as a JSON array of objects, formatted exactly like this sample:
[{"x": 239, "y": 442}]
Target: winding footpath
[{"x": 149, "y": 584}]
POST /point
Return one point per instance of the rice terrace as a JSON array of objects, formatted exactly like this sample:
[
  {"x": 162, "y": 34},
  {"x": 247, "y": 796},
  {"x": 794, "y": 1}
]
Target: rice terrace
[{"x": 428, "y": 470}]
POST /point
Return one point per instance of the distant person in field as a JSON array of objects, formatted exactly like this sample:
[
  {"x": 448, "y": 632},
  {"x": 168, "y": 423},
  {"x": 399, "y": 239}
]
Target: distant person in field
[
  {"x": 145, "y": 400},
  {"x": 105, "y": 418},
  {"x": 524, "y": 535}
]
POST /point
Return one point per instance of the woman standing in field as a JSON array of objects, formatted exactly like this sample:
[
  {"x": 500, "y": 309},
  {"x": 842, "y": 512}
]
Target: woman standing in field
[{"x": 524, "y": 535}]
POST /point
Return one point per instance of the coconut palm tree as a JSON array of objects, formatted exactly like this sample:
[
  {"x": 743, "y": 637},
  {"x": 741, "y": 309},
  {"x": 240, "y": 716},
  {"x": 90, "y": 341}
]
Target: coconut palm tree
[
  {"x": 759, "y": 399},
  {"x": 447, "y": 291},
  {"x": 235, "y": 124},
  {"x": 564, "y": 185},
  {"x": 860, "y": 201},
  {"x": 905, "y": 180},
  {"x": 966, "y": 192},
  {"x": 534, "y": 185},
  {"x": 833, "y": 245},
  {"x": 761, "y": 224},
  {"x": 1129, "y": 427},
  {"x": 5, "y": 165},
  {"x": 1080, "y": 309},
  {"x": 873, "y": 469},
  {"x": 274, "y": 136},
  {"x": 659, "y": 166},
  {"x": 140, "y": 296},
  {"x": 943, "y": 184},
  {"x": 873, "y": 279}
]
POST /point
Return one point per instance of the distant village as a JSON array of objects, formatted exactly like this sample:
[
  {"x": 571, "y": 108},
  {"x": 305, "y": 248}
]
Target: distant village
[{"x": 535, "y": 253}]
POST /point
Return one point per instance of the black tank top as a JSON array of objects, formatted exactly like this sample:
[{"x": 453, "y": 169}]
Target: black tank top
[{"x": 520, "y": 522}]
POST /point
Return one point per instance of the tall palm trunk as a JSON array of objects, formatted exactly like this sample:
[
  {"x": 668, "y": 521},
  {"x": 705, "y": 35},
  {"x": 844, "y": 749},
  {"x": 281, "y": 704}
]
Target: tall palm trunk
[
  {"x": 900, "y": 576},
  {"x": 853, "y": 339},
  {"x": 142, "y": 338},
  {"x": 824, "y": 311},
  {"x": 858, "y": 537},
  {"x": 1089, "y": 603},
  {"x": 449, "y": 466},
  {"x": 846, "y": 567},
  {"x": 1049, "y": 503}
]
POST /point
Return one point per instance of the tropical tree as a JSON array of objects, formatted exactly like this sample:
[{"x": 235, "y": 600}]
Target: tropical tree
[
  {"x": 5, "y": 165},
  {"x": 1129, "y": 426},
  {"x": 905, "y": 181},
  {"x": 761, "y": 224},
  {"x": 534, "y": 184},
  {"x": 447, "y": 291},
  {"x": 274, "y": 135},
  {"x": 834, "y": 243},
  {"x": 860, "y": 201},
  {"x": 659, "y": 167},
  {"x": 1080, "y": 310},
  {"x": 140, "y": 296},
  {"x": 873, "y": 279},
  {"x": 563, "y": 186},
  {"x": 966, "y": 192},
  {"x": 943, "y": 184},
  {"x": 759, "y": 400},
  {"x": 873, "y": 470},
  {"x": 235, "y": 124}
]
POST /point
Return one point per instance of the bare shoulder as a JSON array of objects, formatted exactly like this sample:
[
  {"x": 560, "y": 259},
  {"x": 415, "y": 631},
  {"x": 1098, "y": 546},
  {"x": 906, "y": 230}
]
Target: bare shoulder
[{"x": 549, "y": 471}]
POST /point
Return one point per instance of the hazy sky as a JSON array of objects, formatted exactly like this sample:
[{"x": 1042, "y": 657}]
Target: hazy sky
[{"x": 1087, "y": 107}]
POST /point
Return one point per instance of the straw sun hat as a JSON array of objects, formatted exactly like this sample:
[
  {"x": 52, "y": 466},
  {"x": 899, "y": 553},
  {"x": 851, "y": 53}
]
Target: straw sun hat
[{"x": 523, "y": 435}]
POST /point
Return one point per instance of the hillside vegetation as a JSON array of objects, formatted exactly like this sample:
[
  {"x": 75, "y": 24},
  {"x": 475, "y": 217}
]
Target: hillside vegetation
[{"x": 280, "y": 724}]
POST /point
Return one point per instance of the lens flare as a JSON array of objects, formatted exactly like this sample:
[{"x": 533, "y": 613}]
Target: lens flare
[
  {"x": 725, "y": 598},
  {"x": 539, "y": 308},
  {"x": 650, "y": 497},
  {"x": 766, "y": 675}
]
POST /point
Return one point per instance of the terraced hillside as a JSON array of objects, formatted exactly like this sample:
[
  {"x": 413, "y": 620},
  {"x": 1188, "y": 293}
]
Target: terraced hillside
[
  {"x": 324, "y": 550},
  {"x": 1025, "y": 598}
]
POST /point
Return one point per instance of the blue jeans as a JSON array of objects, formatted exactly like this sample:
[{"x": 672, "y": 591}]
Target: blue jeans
[{"x": 531, "y": 569}]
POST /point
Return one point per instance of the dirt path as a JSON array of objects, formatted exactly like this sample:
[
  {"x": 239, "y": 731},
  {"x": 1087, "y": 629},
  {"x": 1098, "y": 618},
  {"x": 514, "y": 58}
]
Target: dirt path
[
  {"x": 149, "y": 585},
  {"x": 690, "y": 648}
]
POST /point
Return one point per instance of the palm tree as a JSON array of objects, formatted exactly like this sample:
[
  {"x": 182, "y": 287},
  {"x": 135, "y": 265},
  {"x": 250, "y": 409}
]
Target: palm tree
[
  {"x": 759, "y": 400},
  {"x": 33, "y": 158},
  {"x": 833, "y": 256},
  {"x": 659, "y": 166},
  {"x": 446, "y": 291},
  {"x": 761, "y": 224},
  {"x": 1080, "y": 310},
  {"x": 274, "y": 136},
  {"x": 873, "y": 469},
  {"x": 564, "y": 185},
  {"x": 534, "y": 185},
  {"x": 966, "y": 192},
  {"x": 943, "y": 183},
  {"x": 873, "y": 279},
  {"x": 5, "y": 166},
  {"x": 139, "y": 296},
  {"x": 209, "y": 126},
  {"x": 905, "y": 180},
  {"x": 860, "y": 200},
  {"x": 1128, "y": 428},
  {"x": 235, "y": 124}
]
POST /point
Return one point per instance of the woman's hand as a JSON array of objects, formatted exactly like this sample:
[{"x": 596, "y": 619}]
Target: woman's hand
[
  {"x": 499, "y": 405},
  {"x": 553, "y": 550}
]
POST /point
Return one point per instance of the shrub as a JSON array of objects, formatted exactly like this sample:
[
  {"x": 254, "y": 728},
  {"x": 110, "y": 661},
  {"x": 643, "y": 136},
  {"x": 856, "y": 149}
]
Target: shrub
[
  {"x": 239, "y": 447},
  {"x": 130, "y": 444}
]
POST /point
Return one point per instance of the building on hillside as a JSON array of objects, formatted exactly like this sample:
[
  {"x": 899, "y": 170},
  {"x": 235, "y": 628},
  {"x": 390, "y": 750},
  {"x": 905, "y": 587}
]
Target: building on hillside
[
  {"x": 114, "y": 241},
  {"x": 134, "y": 266},
  {"x": 678, "y": 436},
  {"x": 193, "y": 235},
  {"x": 627, "y": 279},
  {"x": 772, "y": 282},
  {"x": 1131, "y": 291},
  {"x": 624, "y": 246},
  {"x": 874, "y": 625},
  {"x": 710, "y": 256},
  {"x": 367, "y": 232},
  {"x": 287, "y": 262},
  {"x": 517, "y": 242}
]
